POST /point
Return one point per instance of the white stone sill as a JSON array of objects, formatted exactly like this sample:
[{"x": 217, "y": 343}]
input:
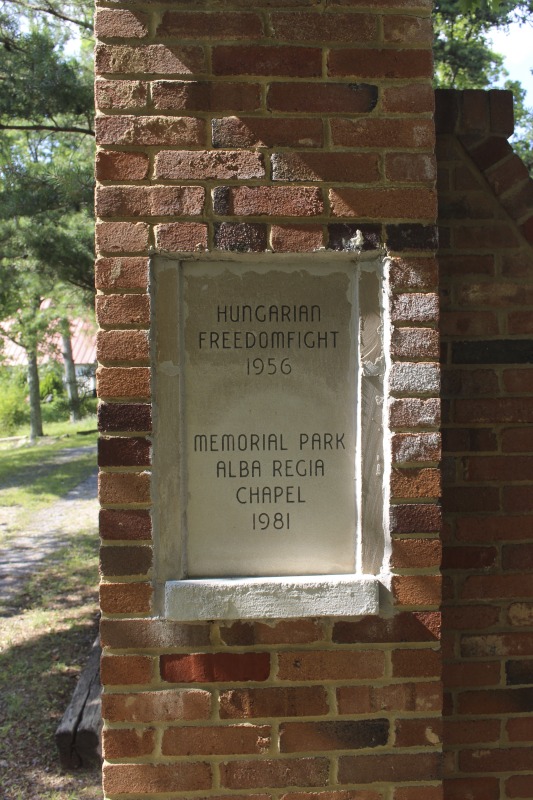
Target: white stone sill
[{"x": 271, "y": 598}]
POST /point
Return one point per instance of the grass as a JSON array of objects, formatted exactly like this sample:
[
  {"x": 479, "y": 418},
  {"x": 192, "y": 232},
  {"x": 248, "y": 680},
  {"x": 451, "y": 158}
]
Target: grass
[{"x": 48, "y": 630}]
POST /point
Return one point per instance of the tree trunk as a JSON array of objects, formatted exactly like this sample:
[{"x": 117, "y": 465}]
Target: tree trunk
[
  {"x": 36, "y": 422},
  {"x": 70, "y": 372}
]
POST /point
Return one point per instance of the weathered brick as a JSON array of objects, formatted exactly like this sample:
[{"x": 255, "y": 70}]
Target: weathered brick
[
  {"x": 210, "y": 667},
  {"x": 383, "y": 203},
  {"x": 139, "y": 131},
  {"x": 411, "y": 627},
  {"x": 366, "y": 63},
  {"x": 208, "y": 165},
  {"x": 243, "y": 632},
  {"x": 145, "y": 201},
  {"x": 338, "y": 735},
  {"x": 216, "y": 740},
  {"x": 410, "y": 167},
  {"x": 118, "y": 744},
  {"x": 133, "y": 524},
  {"x": 257, "y": 132},
  {"x": 131, "y": 417},
  {"x": 123, "y": 309},
  {"x": 415, "y": 343},
  {"x": 329, "y": 665},
  {"x": 415, "y": 518},
  {"x": 389, "y": 767},
  {"x": 122, "y": 346},
  {"x": 149, "y": 59},
  {"x": 122, "y": 237},
  {"x": 118, "y": 488},
  {"x": 338, "y": 167},
  {"x": 418, "y": 732},
  {"x": 241, "y": 237},
  {"x": 152, "y": 778},
  {"x": 117, "y": 166},
  {"x": 414, "y": 412},
  {"x": 296, "y": 238},
  {"x": 121, "y": 94},
  {"x": 181, "y": 236},
  {"x": 268, "y": 200},
  {"x": 289, "y": 62},
  {"x": 152, "y": 633},
  {"x": 321, "y": 28},
  {"x": 126, "y": 670},
  {"x": 414, "y": 378},
  {"x": 217, "y": 25},
  {"x": 120, "y": 24},
  {"x": 122, "y": 451},
  {"x": 421, "y": 697},
  {"x": 407, "y": 29},
  {"x": 322, "y": 98},
  {"x": 123, "y": 382},
  {"x": 294, "y": 701},
  {"x": 125, "y": 560},
  {"x": 274, "y": 772},
  {"x": 413, "y": 273},
  {"x": 206, "y": 96},
  {"x": 415, "y": 307},
  {"x": 121, "y": 273},
  {"x": 412, "y": 237},
  {"x": 412, "y": 98},
  {"x": 160, "y": 706}
]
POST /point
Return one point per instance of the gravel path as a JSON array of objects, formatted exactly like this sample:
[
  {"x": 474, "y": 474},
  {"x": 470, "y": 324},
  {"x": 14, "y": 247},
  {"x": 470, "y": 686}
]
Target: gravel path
[{"x": 46, "y": 531}]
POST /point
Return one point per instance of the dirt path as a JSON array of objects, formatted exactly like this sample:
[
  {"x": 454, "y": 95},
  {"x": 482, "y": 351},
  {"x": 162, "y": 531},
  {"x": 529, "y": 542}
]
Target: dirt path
[{"x": 46, "y": 531}]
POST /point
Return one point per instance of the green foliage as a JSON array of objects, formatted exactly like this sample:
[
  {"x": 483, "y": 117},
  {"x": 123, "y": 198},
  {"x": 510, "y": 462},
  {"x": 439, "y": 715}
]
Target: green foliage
[
  {"x": 51, "y": 381},
  {"x": 14, "y": 410}
]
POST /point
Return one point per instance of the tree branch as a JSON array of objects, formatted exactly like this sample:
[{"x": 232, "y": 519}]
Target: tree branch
[
  {"x": 54, "y": 13},
  {"x": 56, "y": 128}
]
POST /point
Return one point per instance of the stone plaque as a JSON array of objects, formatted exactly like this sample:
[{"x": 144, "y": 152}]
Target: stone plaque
[{"x": 269, "y": 409}]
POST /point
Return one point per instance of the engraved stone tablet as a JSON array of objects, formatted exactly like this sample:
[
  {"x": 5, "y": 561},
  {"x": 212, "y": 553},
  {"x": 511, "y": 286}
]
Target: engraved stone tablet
[{"x": 269, "y": 407}]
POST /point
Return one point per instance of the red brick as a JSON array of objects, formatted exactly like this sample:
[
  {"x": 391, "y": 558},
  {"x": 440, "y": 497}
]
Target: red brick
[
  {"x": 470, "y": 382},
  {"x": 333, "y": 735},
  {"x": 274, "y": 773},
  {"x": 120, "y": 309},
  {"x": 498, "y": 468},
  {"x": 413, "y": 98},
  {"x": 415, "y": 342},
  {"x": 268, "y": 200},
  {"x": 415, "y": 553},
  {"x": 520, "y": 322},
  {"x": 393, "y": 768},
  {"x": 470, "y": 498},
  {"x": 365, "y": 63},
  {"x": 516, "y": 440},
  {"x": 120, "y": 24},
  {"x": 498, "y": 295},
  {"x": 505, "y": 644},
  {"x": 520, "y": 614},
  {"x": 125, "y": 560},
  {"x": 294, "y": 701},
  {"x": 472, "y": 789},
  {"x": 496, "y": 701},
  {"x": 330, "y": 665},
  {"x": 124, "y": 634},
  {"x": 123, "y": 382},
  {"x": 211, "y": 24},
  {"x": 413, "y": 412},
  {"x": 126, "y": 598},
  {"x": 418, "y": 732},
  {"x": 122, "y": 346},
  {"x": 216, "y": 740},
  {"x": 384, "y": 203},
  {"x": 473, "y": 323},
  {"x": 118, "y": 488},
  {"x": 486, "y": 237},
  {"x": 208, "y": 165},
  {"x": 126, "y": 670},
  {"x": 139, "y": 131},
  {"x": 119, "y": 744},
  {"x": 497, "y": 586},
  {"x": 519, "y": 786},
  {"x": 118, "y": 417},
  {"x": 122, "y": 451},
  {"x": 457, "y": 558},
  {"x": 496, "y": 760},
  {"x": 302, "y": 631},
  {"x": 206, "y": 96},
  {"x": 413, "y": 273},
  {"x": 121, "y": 94},
  {"x": 296, "y": 238},
  {"x": 143, "y": 201},
  {"x": 289, "y": 62},
  {"x": 407, "y": 627},
  {"x": 181, "y": 237},
  {"x": 520, "y": 729},
  {"x": 211, "y": 667},
  {"x": 126, "y": 525},
  {"x": 466, "y": 674},
  {"x": 416, "y": 663},
  {"x": 403, "y": 29},
  {"x": 321, "y": 28},
  {"x": 352, "y": 794},
  {"x": 122, "y": 273},
  {"x": 241, "y": 237},
  {"x": 339, "y": 167},
  {"x": 146, "y": 59},
  {"x": 415, "y": 307},
  {"x": 417, "y": 590},
  {"x": 116, "y": 166},
  {"x": 517, "y": 498},
  {"x": 467, "y": 264},
  {"x": 160, "y": 706},
  {"x": 471, "y": 731},
  {"x": 322, "y": 98},
  {"x": 419, "y": 518},
  {"x": 410, "y": 167},
  {"x": 257, "y": 132},
  {"x": 122, "y": 237},
  {"x": 499, "y": 409},
  {"x": 519, "y": 380},
  {"x": 153, "y": 778},
  {"x": 419, "y": 793}
]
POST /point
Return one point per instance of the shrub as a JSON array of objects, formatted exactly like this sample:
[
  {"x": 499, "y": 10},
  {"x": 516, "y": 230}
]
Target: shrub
[{"x": 14, "y": 408}]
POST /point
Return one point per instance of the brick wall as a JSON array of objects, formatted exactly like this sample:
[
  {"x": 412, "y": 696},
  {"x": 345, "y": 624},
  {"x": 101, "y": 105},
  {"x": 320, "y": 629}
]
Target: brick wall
[
  {"x": 486, "y": 259},
  {"x": 252, "y": 126}
]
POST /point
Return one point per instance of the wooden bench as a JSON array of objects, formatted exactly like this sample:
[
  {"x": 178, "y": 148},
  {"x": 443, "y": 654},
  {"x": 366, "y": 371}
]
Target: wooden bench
[{"x": 78, "y": 735}]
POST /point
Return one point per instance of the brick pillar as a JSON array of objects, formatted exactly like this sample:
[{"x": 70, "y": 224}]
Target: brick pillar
[{"x": 252, "y": 126}]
